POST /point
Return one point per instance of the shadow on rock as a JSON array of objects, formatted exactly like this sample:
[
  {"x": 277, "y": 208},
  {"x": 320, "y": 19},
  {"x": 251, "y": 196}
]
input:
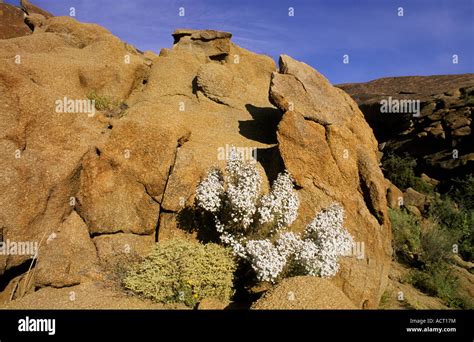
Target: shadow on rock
[
  {"x": 264, "y": 125},
  {"x": 194, "y": 220}
]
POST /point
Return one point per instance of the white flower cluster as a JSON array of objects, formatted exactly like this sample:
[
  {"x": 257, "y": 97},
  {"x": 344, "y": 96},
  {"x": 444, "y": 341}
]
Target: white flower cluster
[
  {"x": 281, "y": 205},
  {"x": 326, "y": 231},
  {"x": 317, "y": 253},
  {"x": 209, "y": 191},
  {"x": 243, "y": 189},
  {"x": 236, "y": 201},
  {"x": 238, "y": 208},
  {"x": 289, "y": 244},
  {"x": 265, "y": 259}
]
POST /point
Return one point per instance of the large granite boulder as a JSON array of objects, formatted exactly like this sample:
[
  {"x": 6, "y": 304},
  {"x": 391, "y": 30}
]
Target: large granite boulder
[{"x": 331, "y": 152}]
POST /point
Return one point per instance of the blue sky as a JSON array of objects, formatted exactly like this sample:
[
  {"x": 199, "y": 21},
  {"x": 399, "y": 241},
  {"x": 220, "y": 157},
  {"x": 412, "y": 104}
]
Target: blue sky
[{"x": 378, "y": 41}]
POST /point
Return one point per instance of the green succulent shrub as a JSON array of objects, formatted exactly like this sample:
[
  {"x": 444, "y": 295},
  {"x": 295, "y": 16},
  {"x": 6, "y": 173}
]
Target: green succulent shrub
[{"x": 183, "y": 271}]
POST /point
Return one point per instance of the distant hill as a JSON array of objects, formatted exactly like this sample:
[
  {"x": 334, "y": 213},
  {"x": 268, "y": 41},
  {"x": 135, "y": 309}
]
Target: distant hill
[{"x": 441, "y": 138}]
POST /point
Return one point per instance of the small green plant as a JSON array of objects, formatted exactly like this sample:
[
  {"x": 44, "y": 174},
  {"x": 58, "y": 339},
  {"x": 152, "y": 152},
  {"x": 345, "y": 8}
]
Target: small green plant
[
  {"x": 111, "y": 107},
  {"x": 385, "y": 299},
  {"x": 406, "y": 235},
  {"x": 183, "y": 271},
  {"x": 401, "y": 172},
  {"x": 421, "y": 186},
  {"x": 429, "y": 281}
]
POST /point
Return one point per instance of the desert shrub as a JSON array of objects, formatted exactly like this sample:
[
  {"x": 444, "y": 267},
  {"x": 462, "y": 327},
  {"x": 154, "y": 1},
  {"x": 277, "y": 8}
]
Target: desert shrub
[
  {"x": 406, "y": 233},
  {"x": 254, "y": 225},
  {"x": 448, "y": 214},
  {"x": 439, "y": 281},
  {"x": 401, "y": 172},
  {"x": 419, "y": 242},
  {"x": 426, "y": 245},
  {"x": 429, "y": 281},
  {"x": 324, "y": 241},
  {"x": 237, "y": 205},
  {"x": 436, "y": 244},
  {"x": 463, "y": 192},
  {"x": 458, "y": 221},
  {"x": 421, "y": 186},
  {"x": 179, "y": 270},
  {"x": 111, "y": 107}
]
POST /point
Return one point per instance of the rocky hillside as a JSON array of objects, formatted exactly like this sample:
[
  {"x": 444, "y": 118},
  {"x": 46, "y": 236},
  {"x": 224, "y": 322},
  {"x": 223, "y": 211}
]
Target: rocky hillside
[
  {"x": 92, "y": 185},
  {"x": 440, "y": 138},
  {"x": 428, "y": 154}
]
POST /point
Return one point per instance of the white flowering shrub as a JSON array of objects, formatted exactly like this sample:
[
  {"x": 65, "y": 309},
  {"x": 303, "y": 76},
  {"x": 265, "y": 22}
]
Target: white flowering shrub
[
  {"x": 265, "y": 259},
  {"x": 253, "y": 225},
  {"x": 210, "y": 190},
  {"x": 242, "y": 192},
  {"x": 315, "y": 253},
  {"x": 280, "y": 206},
  {"x": 288, "y": 244},
  {"x": 331, "y": 239},
  {"x": 236, "y": 201}
]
